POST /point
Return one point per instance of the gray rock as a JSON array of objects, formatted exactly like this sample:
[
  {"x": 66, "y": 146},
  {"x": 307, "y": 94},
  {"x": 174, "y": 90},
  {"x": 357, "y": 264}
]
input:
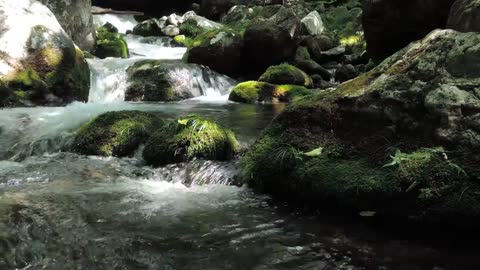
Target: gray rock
[
  {"x": 270, "y": 41},
  {"x": 464, "y": 16},
  {"x": 313, "y": 23},
  {"x": 171, "y": 31},
  {"x": 345, "y": 73},
  {"x": 76, "y": 19}
]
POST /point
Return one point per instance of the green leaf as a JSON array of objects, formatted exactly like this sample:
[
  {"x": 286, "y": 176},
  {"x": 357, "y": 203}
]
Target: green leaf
[{"x": 315, "y": 152}]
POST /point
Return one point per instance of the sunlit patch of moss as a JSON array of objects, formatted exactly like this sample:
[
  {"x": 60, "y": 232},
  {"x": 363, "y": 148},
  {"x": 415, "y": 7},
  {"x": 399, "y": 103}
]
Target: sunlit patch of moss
[
  {"x": 208, "y": 37},
  {"x": 115, "y": 133},
  {"x": 288, "y": 93},
  {"x": 183, "y": 40},
  {"x": 286, "y": 74},
  {"x": 25, "y": 77},
  {"x": 188, "y": 138},
  {"x": 248, "y": 92}
]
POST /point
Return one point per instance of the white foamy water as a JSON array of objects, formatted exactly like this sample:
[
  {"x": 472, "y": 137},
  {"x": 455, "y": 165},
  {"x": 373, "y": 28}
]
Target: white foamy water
[
  {"x": 123, "y": 23},
  {"x": 109, "y": 80}
]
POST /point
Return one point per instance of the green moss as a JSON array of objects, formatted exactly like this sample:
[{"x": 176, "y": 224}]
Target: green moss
[
  {"x": 210, "y": 37},
  {"x": 347, "y": 182},
  {"x": 286, "y": 74},
  {"x": 110, "y": 44},
  {"x": 188, "y": 138},
  {"x": 288, "y": 93},
  {"x": 183, "y": 40},
  {"x": 190, "y": 28},
  {"x": 253, "y": 91},
  {"x": 115, "y": 133},
  {"x": 302, "y": 54},
  {"x": 26, "y": 77},
  {"x": 247, "y": 92}
]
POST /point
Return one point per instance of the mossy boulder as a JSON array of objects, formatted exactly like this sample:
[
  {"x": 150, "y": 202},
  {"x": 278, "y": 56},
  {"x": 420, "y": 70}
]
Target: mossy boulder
[
  {"x": 110, "y": 44},
  {"x": 253, "y": 92},
  {"x": 116, "y": 133},
  {"x": 188, "y": 138},
  {"x": 398, "y": 140},
  {"x": 286, "y": 74},
  {"x": 219, "y": 49},
  {"x": 40, "y": 63},
  {"x": 165, "y": 80}
]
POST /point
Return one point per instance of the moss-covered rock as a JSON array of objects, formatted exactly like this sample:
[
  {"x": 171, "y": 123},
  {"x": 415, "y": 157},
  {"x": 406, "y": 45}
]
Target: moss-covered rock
[
  {"x": 213, "y": 48},
  {"x": 253, "y": 92},
  {"x": 41, "y": 66},
  {"x": 164, "y": 80},
  {"x": 286, "y": 74},
  {"x": 116, "y": 133},
  {"x": 393, "y": 141},
  {"x": 248, "y": 92},
  {"x": 188, "y": 138},
  {"x": 110, "y": 44}
]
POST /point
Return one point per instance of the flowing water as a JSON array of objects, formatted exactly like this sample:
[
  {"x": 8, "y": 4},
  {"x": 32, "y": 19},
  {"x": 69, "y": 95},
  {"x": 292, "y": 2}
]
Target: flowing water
[{"x": 60, "y": 210}]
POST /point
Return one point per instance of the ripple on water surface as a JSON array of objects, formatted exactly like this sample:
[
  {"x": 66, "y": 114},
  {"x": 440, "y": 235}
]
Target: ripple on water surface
[{"x": 108, "y": 213}]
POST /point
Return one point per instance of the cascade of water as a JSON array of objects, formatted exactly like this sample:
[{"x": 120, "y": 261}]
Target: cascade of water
[
  {"x": 109, "y": 80},
  {"x": 123, "y": 23}
]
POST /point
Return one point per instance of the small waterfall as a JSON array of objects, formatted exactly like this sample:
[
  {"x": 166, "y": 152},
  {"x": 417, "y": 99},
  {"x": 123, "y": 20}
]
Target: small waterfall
[
  {"x": 108, "y": 79},
  {"x": 123, "y": 23}
]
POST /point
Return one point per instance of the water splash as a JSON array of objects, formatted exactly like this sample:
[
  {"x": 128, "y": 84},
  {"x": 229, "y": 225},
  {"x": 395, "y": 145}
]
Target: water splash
[{"x": 123, "y": 23}]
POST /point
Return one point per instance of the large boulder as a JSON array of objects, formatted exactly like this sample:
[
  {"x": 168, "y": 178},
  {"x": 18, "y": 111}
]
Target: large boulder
[
  {"x": 190, "y": 137},
  {"x": 401, "y": 140},
  {"x": 115, "y": 133},
  {"x": 390, "y": 25},
  {"x": 270, "y": 40},
  {"x": 75, "y": 17},
  {"x": 170, "y": 80},
  {"x": 464, "y": 16},
  {"x": 220, "y": 49},
  {"x": 39, "y": 63}
]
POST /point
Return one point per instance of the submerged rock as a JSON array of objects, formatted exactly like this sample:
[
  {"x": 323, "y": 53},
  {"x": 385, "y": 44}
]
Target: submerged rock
[
  {"x": 286, "y": 74},
  {"x": 116, "y": 133},
  {"x": 401, "y": 140},
  {"x": 188, "y": 138},
  {"x": 253, "y": 92},
  {"x": 39, "y": 63},
  {"x": 110, "y": 44}
]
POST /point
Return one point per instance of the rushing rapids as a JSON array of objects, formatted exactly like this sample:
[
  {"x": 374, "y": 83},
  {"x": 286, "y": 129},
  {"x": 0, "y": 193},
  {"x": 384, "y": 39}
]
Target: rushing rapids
[{"x": 60, "y": 210}]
